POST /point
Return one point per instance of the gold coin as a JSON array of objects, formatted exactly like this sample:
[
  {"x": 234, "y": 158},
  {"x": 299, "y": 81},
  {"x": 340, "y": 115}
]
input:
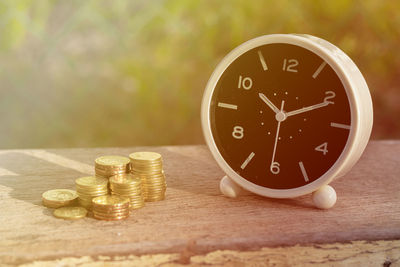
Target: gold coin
[
  {"x": 111, "y": 167},
  {"x": 117, "y": 218},
  {"x": 112, "y": 161},
  {"x": 145, "y": 156},
  {"x": 58, "y": 197},
  {"x": 108, "y": 209},
  {"x": 91, "y": 190},
  {"x": 110, "y": 171},
  {"x": 91, "y": 181},
  {"x": 155, "y": 199},
  {"x": 70, "y": 213},
  {"x": 110, "y": 200},
  {"x": 113, "y": 213},
  {"x": 125, "y": 180}
]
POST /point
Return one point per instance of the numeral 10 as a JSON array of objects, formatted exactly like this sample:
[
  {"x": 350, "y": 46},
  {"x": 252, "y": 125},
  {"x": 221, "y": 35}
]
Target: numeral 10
[{"x": 245, "y": 83}]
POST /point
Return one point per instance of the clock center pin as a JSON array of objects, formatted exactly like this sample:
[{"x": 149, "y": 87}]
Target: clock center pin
[{"x": 280, "y": 116}]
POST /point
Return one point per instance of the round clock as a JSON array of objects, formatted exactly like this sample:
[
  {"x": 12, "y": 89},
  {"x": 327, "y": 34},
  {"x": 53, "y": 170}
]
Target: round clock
[{"x": 285, "y": 114}]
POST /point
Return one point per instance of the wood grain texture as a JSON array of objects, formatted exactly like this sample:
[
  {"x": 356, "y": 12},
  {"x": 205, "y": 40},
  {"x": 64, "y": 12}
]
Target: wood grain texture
[
  {"x": 357, "y": 253},
  {"x": 194, "y": 214}
]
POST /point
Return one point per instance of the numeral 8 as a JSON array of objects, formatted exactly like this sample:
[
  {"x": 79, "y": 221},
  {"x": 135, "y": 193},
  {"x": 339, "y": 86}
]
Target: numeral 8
[{"x": 238, "y": 132}]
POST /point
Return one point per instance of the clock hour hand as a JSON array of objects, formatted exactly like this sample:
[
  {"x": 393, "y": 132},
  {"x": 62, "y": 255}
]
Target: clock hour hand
[
  {"x": 269, "y": 103},
  {"x": 305, "y": 109}
]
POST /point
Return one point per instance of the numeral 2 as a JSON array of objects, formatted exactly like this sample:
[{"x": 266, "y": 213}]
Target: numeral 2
[
  {"x": 290, "y": 64},
  {"x": 329, "y": 95}
]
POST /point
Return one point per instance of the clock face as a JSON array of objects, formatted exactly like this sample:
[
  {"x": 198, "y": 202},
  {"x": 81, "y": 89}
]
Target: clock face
[{"x": 280, "y": 116}]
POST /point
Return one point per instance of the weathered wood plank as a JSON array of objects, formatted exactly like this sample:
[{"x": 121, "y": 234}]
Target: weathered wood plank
[
  {"x": 357, "y": 253},
  {"x": 368, "y": 208}
]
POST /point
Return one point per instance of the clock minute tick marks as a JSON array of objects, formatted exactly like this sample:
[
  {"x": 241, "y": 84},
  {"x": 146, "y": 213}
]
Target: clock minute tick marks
[
  {"x": 303, "y": 171},
  {"x": 248, "y": 159},
  {"x": 339, "y": 125},
  {"x": 229, "y": 106},
  {"x": 263, "y": 63},
  {"x": 316, "y": 73}
]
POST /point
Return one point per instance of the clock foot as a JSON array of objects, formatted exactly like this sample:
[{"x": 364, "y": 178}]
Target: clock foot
[
  {"x": 229, "y": 188},
  {"x": 324, "y": 197}
]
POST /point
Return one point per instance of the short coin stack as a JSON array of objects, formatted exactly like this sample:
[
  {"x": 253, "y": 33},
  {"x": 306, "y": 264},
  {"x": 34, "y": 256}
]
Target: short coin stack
[
  {"x": 149, "y": 168},
  {"x": 111, "y": 208},
  {"x": 59, "y": 198},
  {"x": 126, "y": 185},
  {"x": 90, "y": 187},
  {"x": 107, "y": 166}
]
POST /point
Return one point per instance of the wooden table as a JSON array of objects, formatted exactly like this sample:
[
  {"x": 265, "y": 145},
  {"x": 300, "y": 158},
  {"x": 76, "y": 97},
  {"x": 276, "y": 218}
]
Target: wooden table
[{"x": 196, "y": 224}]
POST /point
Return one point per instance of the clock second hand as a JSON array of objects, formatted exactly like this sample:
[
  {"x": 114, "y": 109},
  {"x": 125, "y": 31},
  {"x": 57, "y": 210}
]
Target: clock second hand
[{"x": 276, "y": 138}]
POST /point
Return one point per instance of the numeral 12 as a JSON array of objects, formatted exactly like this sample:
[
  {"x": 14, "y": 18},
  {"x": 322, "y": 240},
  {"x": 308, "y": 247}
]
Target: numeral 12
[{"x": 290, "y": 64}]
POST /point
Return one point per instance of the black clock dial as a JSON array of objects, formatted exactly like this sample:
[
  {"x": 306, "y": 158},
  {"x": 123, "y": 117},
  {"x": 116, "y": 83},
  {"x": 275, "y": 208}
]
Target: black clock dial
[{"x": 280, "y": 116}]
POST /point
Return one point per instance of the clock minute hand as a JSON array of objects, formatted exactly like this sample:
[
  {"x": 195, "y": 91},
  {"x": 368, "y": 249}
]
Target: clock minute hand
[
  {"x": 269, "y": 103},
  {"x": 305, "y": 109}
]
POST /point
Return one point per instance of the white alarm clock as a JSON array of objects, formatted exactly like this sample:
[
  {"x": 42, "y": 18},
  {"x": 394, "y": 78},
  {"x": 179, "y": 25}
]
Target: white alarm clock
[{"x": 284, "y": 115}]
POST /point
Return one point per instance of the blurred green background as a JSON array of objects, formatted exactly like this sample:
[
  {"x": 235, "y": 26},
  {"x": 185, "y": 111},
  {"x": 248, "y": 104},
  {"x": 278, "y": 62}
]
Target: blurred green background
[{"x": 132, "y": 73}]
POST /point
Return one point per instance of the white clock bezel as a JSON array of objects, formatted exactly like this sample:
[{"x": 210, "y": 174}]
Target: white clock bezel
[{"x": 358, "y": 96}]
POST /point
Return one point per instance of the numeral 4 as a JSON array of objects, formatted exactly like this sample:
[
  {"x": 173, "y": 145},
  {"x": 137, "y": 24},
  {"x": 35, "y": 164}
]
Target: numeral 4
[
  {"x": 322, "y": 148},
  {"x": 238, "y": 132},
  {"x": 290, "y": 64},
  {"x": 245, "y": 83}
]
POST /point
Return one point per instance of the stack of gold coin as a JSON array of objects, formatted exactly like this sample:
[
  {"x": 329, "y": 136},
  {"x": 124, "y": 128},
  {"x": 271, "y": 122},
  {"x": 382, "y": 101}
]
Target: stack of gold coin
[
  {"x": 90, "y": 187},
  {"x": 149, "y": 168},
  {"x": 126, "y": 185},
  {"x": 59, "y": 198},
  {"x": 110, "y": 208},
  {"x": 107, "y": 166}
]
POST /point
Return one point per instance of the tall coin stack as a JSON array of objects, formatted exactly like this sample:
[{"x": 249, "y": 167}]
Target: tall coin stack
[
  {"x": 107, "y": 166},
  {"x": 126, "y": 185},
  {"x": 149, "y": 168},
  {"x": 90, "y": 187},
  {"x": 111, "y": 208}
]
